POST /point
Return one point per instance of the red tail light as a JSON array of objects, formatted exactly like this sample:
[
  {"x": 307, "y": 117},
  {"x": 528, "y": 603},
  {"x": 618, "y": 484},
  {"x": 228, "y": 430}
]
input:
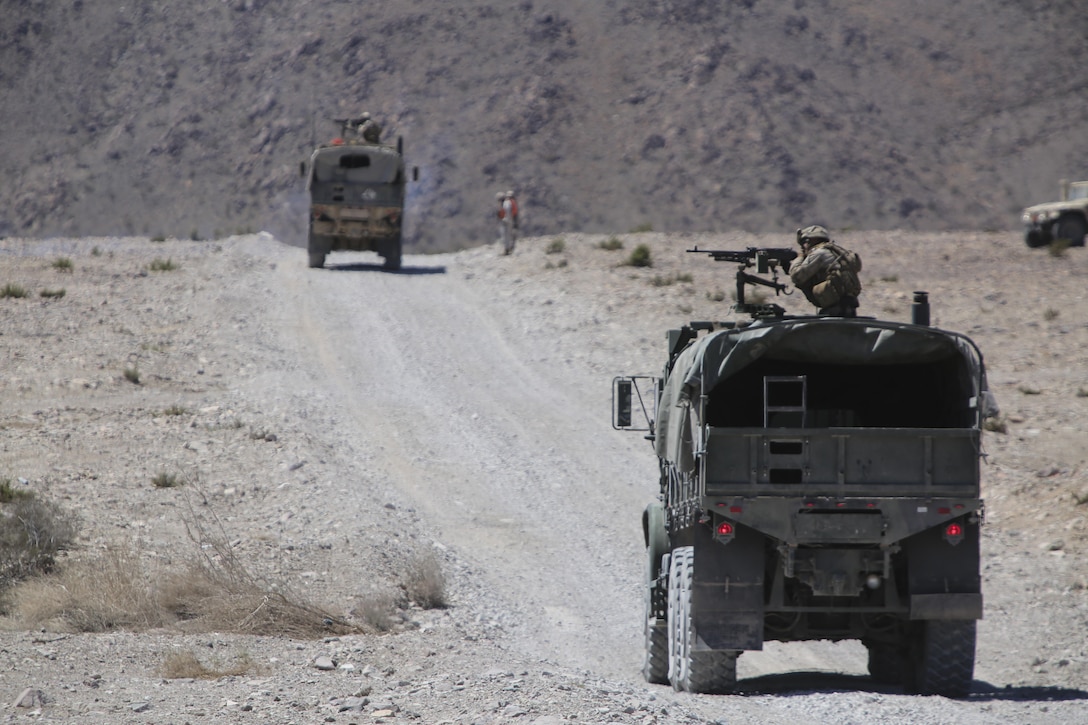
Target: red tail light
[
  {"x": 725, "y": 529},
  {"x": 953, "y": 533}
]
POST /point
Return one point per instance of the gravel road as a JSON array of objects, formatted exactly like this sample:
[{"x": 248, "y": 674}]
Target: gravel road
[{"x": 341, "y": 422}]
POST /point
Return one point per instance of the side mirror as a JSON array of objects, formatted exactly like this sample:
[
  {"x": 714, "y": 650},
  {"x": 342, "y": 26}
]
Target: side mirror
[
  {"x": 415, "y": 173},
  {"x": 302, "y": 169},
  {"x": 630, "y": 392}
]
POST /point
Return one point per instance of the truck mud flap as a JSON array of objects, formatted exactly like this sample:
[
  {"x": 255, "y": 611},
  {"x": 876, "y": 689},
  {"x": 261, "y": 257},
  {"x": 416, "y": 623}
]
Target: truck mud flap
[
  {"x": 727, "y": 591},
  {"x": 946, "y": 606}
]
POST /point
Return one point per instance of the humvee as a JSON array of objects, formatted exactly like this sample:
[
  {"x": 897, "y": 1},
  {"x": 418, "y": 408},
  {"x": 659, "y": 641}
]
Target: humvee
[
  {"x": 819, "y": 480},
  {"x": 1065, "y": 220},
  {"x": 356, "y": 192}
]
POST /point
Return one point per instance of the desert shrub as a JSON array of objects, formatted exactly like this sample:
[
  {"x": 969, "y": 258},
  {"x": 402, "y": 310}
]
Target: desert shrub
[
  {"x": 218, "y": 592},
  {"x": 162, "y": 265},
  {"x": 375, "y": 608},
  {"x": 1082, "y": 392},
  {"x": 96, "y": 251},
  {"x": 640, "y": 257},
  {"x": 1058, "y": 247},
  {"x": 1029, "y": 390},
  {"x": 53, "y": 293},
  {"x": 556, "y": 246},
  {"x": 424, "y": 582},
  {"x": 611, "y": 244},
  {"x": 132, "y": 375},
  {"x": 995, "y": 424},
  {"x": 665, "y": 281},
  {"x": 1050, "y": 314},
  {"x": 158, "y": 238},
  {"x": 32, "y": 533},
  {"x": 890, "y": 278},
  {"x": 11, "y": 492},
  {"x": 62, "y": 264},
  {"x": 104, "y": 592},
  {"x": 644, "y": 227},
  {"x": 12, "y": 290},
  {"x": 115, "y": 589},
  {"x": 185, "y": 665},
  {"x": 715, "y": 296},
  {"x": 165, "y": 480},
  {"x": 175, "y": 410}
]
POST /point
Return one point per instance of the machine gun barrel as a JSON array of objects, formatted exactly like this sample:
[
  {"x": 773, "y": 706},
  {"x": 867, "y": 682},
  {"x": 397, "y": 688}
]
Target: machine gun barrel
[
  {"x": 763, "y": 257},
  {"x": 766, "y": 260}
]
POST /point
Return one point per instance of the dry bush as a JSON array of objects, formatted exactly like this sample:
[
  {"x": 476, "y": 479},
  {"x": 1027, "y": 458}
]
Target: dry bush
[
  {"x": 219, "y": 593},
  {"x": 32, "y": 533},
  {"x": 94, "y": 594},
  {"x": 216, "y": 592},
  {"x": 375, "y": 608},
  {"x": 424, "y": 582},
  {"x": 185, "y": 665}
]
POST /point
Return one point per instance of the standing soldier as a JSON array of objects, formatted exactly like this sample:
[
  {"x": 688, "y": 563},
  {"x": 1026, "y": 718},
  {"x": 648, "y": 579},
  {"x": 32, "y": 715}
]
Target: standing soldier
[
  {"x": 826, "y": 273},
  {"x": 513, "y": 212},
  {"x": 505, "y": 214}
]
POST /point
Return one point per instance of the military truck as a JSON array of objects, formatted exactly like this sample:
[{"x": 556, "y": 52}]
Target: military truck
[
  {"x": 356, "y": 189},
  {"x": 819, "y": 480},
  {"x": 1059, "y": 220}
]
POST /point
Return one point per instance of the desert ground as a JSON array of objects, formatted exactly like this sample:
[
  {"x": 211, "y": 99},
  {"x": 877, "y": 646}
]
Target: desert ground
[{"x": 330, "y": 432}]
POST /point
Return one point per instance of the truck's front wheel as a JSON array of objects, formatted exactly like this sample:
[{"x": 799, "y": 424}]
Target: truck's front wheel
[
  {"x": 692, "y": 670},
  {"x": 944, "y": 657},
  {"x": 1036, "y": 238},
  {"x": 1071, "y": 227}
]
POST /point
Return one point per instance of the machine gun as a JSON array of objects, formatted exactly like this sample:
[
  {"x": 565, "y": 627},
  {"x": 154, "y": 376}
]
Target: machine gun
[{"x": 766, "y": 260}]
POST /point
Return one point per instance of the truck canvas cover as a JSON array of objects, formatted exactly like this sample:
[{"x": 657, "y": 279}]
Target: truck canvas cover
[{"x": 859, "y": 372}]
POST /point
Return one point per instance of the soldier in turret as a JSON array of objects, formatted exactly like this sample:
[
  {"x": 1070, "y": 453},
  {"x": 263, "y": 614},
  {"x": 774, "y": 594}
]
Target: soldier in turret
[
  {"x": 367, "y": 128},
  {"x": 826, "y": 273}
]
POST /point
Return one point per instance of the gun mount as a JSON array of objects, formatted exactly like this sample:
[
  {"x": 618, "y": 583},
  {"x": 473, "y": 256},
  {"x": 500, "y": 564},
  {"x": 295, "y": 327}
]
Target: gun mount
[{"x": 766, "y": 260}]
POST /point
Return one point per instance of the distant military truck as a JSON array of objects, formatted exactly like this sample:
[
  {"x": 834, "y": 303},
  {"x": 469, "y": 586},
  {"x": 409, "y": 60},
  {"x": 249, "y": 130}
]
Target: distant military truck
[
  {"x": 356, "y": 191},
  {"x": 819, "y": 480},
  {"x": 1059, "y": 220}
]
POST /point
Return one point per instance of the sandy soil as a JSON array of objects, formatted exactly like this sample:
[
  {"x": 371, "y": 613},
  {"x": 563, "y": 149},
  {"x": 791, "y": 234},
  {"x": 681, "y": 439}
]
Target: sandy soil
[{"x": 339, "y": 424}]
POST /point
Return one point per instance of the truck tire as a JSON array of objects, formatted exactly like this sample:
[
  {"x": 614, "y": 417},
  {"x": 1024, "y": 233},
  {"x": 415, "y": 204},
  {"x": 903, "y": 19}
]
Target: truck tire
[
  {"x": 944, "y": 658},
  {"x": 691, "y": 670},
  {"x": 1035, "y": 238},
  {"x": 316, "y": 248},
  {"x": 1071, "y": 227},
  {"x": 887, "y": 664},
  {"x": 655, "y": 665},
  {"x": 392, "y": 260}
]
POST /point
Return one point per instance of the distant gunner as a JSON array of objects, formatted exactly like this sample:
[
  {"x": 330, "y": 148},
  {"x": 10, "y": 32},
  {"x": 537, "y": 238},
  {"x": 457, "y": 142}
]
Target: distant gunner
[{"x": 826, "y": 273}]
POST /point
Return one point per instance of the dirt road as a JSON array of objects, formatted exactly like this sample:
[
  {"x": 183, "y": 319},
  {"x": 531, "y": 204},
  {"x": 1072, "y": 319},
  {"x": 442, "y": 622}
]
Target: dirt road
[{"x": 461, "y": 408}]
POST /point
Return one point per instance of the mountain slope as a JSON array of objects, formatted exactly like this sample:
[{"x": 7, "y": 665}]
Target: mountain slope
[{"x": 685, "y": 115}]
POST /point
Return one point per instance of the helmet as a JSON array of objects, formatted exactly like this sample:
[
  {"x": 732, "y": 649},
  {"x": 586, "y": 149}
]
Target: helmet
[
  {"x": 814, "y": 233},
  {"x": 364, "y": 116},
  {"x": 500, "y": 196},
  {"x": 510, "y": 193}
]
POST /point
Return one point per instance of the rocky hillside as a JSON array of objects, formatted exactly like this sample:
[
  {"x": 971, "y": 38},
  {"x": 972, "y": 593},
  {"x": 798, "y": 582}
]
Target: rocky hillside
[{"x": 153, "y": 118}]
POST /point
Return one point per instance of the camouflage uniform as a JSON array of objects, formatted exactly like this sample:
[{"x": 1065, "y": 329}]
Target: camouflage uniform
[
  {"x": 506, "y": 222},
  {"x": 370, "y": 131},
  {"x": 826, "y": 273}
]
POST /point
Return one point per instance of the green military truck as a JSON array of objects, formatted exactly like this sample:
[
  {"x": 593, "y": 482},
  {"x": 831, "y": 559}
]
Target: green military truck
[
  {"x": 1066, "y": 219},
  {"x": 357, "y": 190},
  {"x": 819, "y": 480}
]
